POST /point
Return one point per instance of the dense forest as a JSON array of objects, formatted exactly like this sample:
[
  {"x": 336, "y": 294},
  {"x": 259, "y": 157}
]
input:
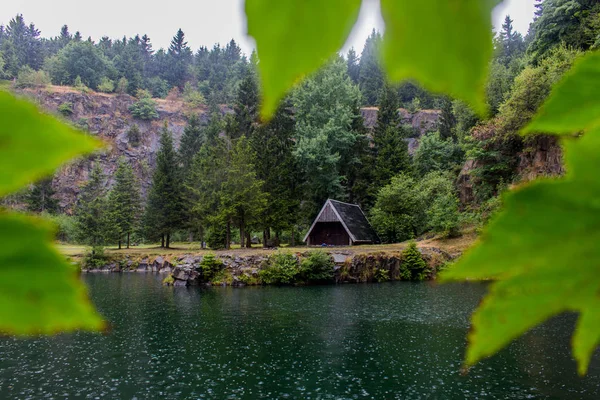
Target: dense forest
[{"x": 236, "y": 176}]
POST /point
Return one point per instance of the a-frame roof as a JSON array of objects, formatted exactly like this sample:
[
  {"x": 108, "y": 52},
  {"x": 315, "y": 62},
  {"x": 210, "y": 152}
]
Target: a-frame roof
[{"x": 353, "y": 220}]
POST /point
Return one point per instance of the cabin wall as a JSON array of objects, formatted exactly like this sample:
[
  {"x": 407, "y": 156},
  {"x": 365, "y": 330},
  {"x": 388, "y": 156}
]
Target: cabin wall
[{"x": 330, "y": 233}]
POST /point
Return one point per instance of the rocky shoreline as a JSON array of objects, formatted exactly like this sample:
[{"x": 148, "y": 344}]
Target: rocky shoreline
[{"x": 185, "y": 270}]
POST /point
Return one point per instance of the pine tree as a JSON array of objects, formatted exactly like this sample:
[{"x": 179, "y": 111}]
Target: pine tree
[
  {"x": 388, "y": 115},
  {"x": 391, "y": 150},
  {"x": 242, "y": 198},
  {"x": 90, "y": 210},
  {"x": 124, "y": 203},
  {"x": 511, "y": 42},
  {"x": 204, "y": 184},
  {"x": 40, "y": 198},
  {"x": 353, "y": 66},
  {"x": 245, "y": 107},
  {"x": 275, "y": 165},
  {"x": 134, "y": 135},
  {"x": 180, "y": 57},
  {"x": 413, "y": 263},
  {"x": 371, "y": 78},
  {"x": 165, "y": 204},
  {"x": 191, "y": 142},
  {"x": 391, "y": 156},
  {"x": 447, "y": 120}
]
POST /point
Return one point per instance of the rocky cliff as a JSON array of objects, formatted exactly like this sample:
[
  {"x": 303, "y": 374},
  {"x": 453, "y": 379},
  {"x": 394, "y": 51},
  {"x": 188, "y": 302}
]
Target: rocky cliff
[
  {"x": 541, "y": 156},
  {"x": 108, "y": 117}
]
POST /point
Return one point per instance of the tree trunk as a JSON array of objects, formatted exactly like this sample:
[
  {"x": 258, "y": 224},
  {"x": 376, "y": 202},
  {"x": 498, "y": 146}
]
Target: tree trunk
[
  {"x": 265, "y": 238},
  {"x": 248, "y": 240},
  {"x": 293, "y": 240},
  {"x": 168, "y": 241},
  {"x": 162, "y": 240},
  {"x": 242, "y": 235},
  {"x": 127, "y": 239},
  {"x": 119, "y": 244},
  {"x": 228, "y": 236}
]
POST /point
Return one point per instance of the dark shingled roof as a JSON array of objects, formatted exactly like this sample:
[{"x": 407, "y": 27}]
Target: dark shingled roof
[{"x": 354, "y": 220}]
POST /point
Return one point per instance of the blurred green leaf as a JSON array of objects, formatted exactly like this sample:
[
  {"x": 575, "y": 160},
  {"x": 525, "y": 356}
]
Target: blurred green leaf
[
  {"x": 294, "y": 38},
  {"x": 39, "y": 292},
  {"x": 543, "y": 250},
  {"x": 445, "y": 45},
  {"x": 33, "y": 144},
  {"x": 574, "y": 103}
]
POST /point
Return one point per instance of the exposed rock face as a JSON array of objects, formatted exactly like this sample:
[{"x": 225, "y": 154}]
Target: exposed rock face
[
  {"x": 541, "y": 157},
  {"x": 108, "y": 117},
  {"x": 465, "y": 182},
  {"x": 185, "y": 270},
  {"x": 422, "y": 121}
]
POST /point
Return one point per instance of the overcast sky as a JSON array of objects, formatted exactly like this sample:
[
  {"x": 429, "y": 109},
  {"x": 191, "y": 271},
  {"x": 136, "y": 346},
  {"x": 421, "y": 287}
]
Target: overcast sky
[{"x": 204, "y": 22}]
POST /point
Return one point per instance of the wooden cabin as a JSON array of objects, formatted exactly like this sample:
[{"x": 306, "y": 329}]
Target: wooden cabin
[{"x": 341, "y": 224}]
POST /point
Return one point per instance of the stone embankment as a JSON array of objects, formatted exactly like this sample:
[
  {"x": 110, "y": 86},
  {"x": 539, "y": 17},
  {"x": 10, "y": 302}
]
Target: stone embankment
[{"x": 350, "y": 267}]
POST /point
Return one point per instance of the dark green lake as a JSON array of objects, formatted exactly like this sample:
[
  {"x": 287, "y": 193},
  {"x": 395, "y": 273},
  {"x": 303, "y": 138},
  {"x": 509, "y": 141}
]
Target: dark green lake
[{"x": 381, "y": 341}]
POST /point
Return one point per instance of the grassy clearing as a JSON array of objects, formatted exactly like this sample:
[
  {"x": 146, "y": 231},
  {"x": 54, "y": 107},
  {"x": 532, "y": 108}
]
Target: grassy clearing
[{"x": 454, "y": 246}]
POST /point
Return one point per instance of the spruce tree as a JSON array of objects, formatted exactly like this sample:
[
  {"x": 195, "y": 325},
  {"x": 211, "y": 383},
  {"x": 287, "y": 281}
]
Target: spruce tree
[
  {"x": 191, "y": 141},
  {"x": 391, "y": 150},
  {"x": 204, "y": 184},
  {"x": 134, "y": 135},
  {"x": 275, "y": 164},
  {"x": 242, "y": 198},
  {"x": 90, "y": 210},
  {"x": 180, "y": 58},
  {"x": 412, "y": 263},
  {"x": 353, "y": 66},
  {"x": 124, "y": 203},
  {"x": 371, "y": 78},
  {"x": 388, "y": 115},
  {"x": 165, "y": 204},
  {"x": 40, "y": 198},
  {"x": 391, "y": 156},
  {"x": 246, "y": 107},
  {"x": 447, "y": 120}
]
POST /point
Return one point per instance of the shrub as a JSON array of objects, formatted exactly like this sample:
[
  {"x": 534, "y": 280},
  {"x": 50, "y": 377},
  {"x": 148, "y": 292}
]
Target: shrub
[
  {"x": 66, "y": 227},
  {"x": 398, "y": 211},
  {"x": 83, "y": 124},
  {"x": 30, "y": 78},
  {"x": 381, "y": 275},
  {"x": 415, "y": 105},
  {"x": 443, "y": 215},
  {"x": 106, "y": 85},
  {"x": 413, "y": 262},
  {"x": 134, "y": 135},
  {"x": 440, "y": 202},
  {"x": 216, "y": 237},
  {"x": 280, "y": 269},
  {"x": 318, "y": 266},
  {"x": 66, "y": 108},
  {"x": 158, "y": 87},
  {"x": 437, "y": 154},
  {"x": 144, "y": 108},
  {"x": 211, "y": 267},
  {"x": 122, "y": 85},
  {"x": 79, "y": 85},
  {"x": 95, "y": 258},
  {"x": 169, "y": 280},
  {"x": 192, "y": 96}
]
